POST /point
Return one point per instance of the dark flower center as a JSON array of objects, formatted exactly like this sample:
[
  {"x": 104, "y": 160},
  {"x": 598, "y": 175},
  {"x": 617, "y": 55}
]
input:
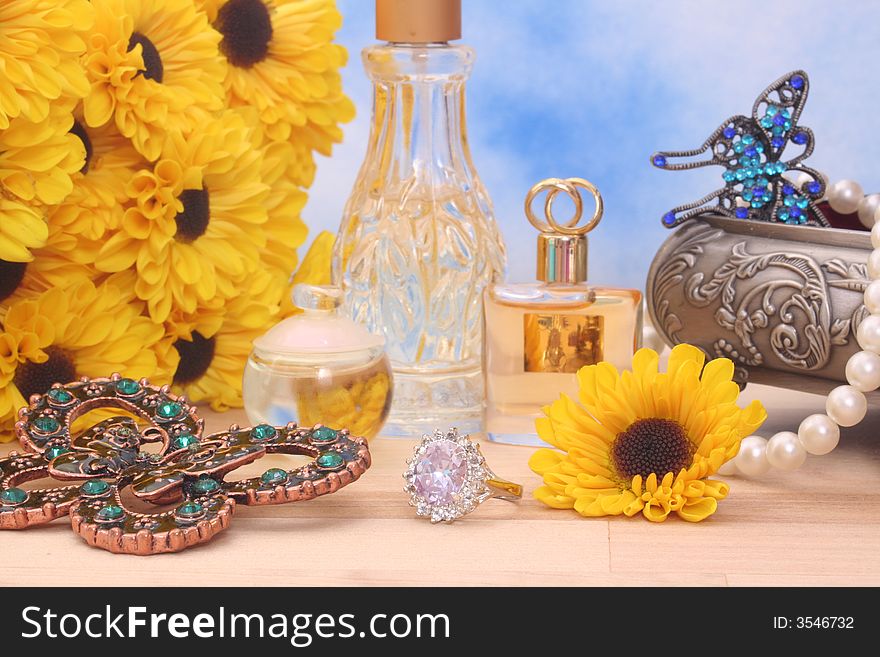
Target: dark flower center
[
  {"x": 195, "y": 358},
  {"x": 80, "y": 132},
  {"x": 192, "y": 221},
  {"x": 36, "y": 378},
  {"x": 153, "y": 69},
  {"x": 246, "y": 27},
  {"x": 650, "y": 446},
  {"x": 11, "y": 274}
]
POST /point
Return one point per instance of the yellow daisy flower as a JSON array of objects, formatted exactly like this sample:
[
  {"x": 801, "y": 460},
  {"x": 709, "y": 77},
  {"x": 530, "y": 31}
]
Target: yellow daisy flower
[
  {"x": 81, "y": 329},
  {"x": 152, "y": 64},
  {"x": 98, "y": 199},
  {"x": 68, "y": 245},
  {"x": 37, "y": 161},
  {"x": 214, "y": 343},
  {"x": 644, "y": 441},
  {"x": 40, "y": 45},
  {"x": 54, "y": 264},
  {"x": 284, "y": 227},
  {"x": 283, "y": 62},
  {"x": 195, "y": 225}
]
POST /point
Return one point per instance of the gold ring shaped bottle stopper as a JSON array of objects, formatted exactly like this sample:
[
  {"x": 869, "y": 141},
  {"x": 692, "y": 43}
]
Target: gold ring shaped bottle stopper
[{"x": 571, "y": 187}]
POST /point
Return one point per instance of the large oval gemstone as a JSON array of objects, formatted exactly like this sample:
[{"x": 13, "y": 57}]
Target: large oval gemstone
[{"x": 441, "y": 472}]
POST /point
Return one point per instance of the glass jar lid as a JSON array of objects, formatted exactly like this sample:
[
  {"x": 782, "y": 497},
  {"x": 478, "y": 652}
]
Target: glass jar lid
[{"x": 319, "y": 328}]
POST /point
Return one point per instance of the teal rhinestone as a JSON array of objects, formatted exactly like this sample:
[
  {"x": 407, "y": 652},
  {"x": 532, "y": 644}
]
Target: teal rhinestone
[
  {"x": 330, "y": 460},
  {"x": 110, "y": 512},
  {"x": 127, "y": 386},
  {"x": 190, "y": 509},
  {"x": 184, "y": 440},
  {"x": 324, "y": 435},
  {"x": 263, "y": 432},
  {"x": 54, "y": 451},
  {"x": 771, "y": 110},
  {"x": 169, "y": 410},
  {"x": 274, "y": 476},
  {"x": 59, "y": 396},
  {"x": 46, "y": 424},
  {"x": 13, "y": 496},
  {"x": 748, "y": 140},
  {"x": 95, "y": 487},
  {"x": 802, "y": 203},
  {"x": 205, "y": 485}
]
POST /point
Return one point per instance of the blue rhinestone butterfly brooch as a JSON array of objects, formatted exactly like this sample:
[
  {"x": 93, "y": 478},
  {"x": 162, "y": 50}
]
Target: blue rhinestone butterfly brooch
[
  {"x": 184, "y": 469},
  {"x": 751, "y": 151}
]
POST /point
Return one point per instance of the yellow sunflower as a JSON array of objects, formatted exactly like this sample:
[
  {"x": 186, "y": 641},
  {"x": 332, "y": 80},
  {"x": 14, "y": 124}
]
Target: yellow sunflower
[
  {"x": 284, "y": 227},
  {"x": 55, "y": 263},
  {"x": 71, "y": 240},
  {"x": 98, "y": 198},
  {"x": 195, "y": 227},
  {"x": 644, "y": 441},
  {"x": 214, "y": 343},
  {"x": 40, "y": 45},
  {"x": 283, "y": 62},
  {"x": 37, "y": 161},
  {"x": 152, "y": 65},
  {"x": 78, "y": 330}
]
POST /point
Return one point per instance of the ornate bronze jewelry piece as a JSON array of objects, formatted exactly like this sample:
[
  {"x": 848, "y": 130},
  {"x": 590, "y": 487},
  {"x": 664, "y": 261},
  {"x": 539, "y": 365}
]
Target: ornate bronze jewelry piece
[
  {"x": 187, "y": 469},
  {"x": 756, "y": 153}
]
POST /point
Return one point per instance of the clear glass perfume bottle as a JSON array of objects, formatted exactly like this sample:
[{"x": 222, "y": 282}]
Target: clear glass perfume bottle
[
  {"x": 538, "y": 335},
  {"x": 418, "y": 242},
  {"x": 318, "y": 367}
]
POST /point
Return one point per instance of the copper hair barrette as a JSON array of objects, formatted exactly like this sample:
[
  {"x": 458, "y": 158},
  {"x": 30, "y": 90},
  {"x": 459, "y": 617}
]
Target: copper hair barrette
[{"x": 188, "y": 469}]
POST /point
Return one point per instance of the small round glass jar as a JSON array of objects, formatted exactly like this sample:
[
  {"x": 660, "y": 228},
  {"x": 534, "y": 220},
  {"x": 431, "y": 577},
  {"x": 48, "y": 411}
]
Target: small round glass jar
[{"x": 319, "y": 367}]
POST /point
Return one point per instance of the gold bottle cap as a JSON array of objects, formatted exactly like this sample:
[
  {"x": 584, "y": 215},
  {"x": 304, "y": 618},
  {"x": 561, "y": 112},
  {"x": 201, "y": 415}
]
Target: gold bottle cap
[
  {"x": 418, "y": 21},
  {"x": 562, "y": 247}
]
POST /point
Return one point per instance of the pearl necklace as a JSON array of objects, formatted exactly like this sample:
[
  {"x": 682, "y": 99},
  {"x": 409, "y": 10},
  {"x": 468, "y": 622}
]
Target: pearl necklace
[{"x": 846, "y": 405}]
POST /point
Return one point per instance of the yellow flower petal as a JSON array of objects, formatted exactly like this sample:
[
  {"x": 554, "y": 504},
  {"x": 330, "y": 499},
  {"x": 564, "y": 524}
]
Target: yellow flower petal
[
  {"x": 544, "y": 460},
  {"x": 702, "y": 401},
  {"x": 698, "y": 509}
]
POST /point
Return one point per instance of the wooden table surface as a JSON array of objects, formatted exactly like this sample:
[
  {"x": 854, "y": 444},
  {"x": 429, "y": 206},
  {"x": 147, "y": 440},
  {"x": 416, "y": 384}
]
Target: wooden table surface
[{"x": 817, "y": 526}]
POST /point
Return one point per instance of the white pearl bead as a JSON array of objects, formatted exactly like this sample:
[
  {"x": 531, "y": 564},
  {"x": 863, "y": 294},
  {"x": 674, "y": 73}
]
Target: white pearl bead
[
  {"x": 875, "y": 232},
  {"x": 863, "y": 371},
  {"x": 868, "y": 333},
  {"x": 872, "y": 296},
  {"x": 874, "y": 265},
  {"x": 877, "y": 217},
  {"x": 819, "y": 434},
  {"x": 846, "y": 406},
  {"x": 867, "y": 209},
  {"x": 844, "y": 196},
  {"x": 785, "y": 451},
  {"x": 752, "y": 457},
  {"x": 728, "y": 468}
]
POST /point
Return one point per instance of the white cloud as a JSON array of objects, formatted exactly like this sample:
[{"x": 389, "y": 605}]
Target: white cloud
[{"x": 602, "y": 85}]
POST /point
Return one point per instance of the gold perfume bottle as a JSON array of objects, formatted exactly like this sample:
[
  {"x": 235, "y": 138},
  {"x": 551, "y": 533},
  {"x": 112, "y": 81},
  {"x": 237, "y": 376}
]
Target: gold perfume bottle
[{"x": 538, "y": 335}]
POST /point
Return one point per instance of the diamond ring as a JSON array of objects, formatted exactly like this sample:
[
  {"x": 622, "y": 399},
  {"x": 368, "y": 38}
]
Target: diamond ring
[{"x": 448, "y": 478}]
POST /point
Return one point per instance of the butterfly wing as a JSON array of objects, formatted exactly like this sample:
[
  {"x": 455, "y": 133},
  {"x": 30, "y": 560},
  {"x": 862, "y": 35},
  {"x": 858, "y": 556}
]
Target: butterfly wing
[
  {"x": 777, "y": 110},
  {"x": 724, "y": 148}
]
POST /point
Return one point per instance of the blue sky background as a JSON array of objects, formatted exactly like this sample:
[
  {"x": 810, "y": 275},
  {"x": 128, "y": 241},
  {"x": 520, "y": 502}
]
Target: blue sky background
[{"x": 590, "y": 89}]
